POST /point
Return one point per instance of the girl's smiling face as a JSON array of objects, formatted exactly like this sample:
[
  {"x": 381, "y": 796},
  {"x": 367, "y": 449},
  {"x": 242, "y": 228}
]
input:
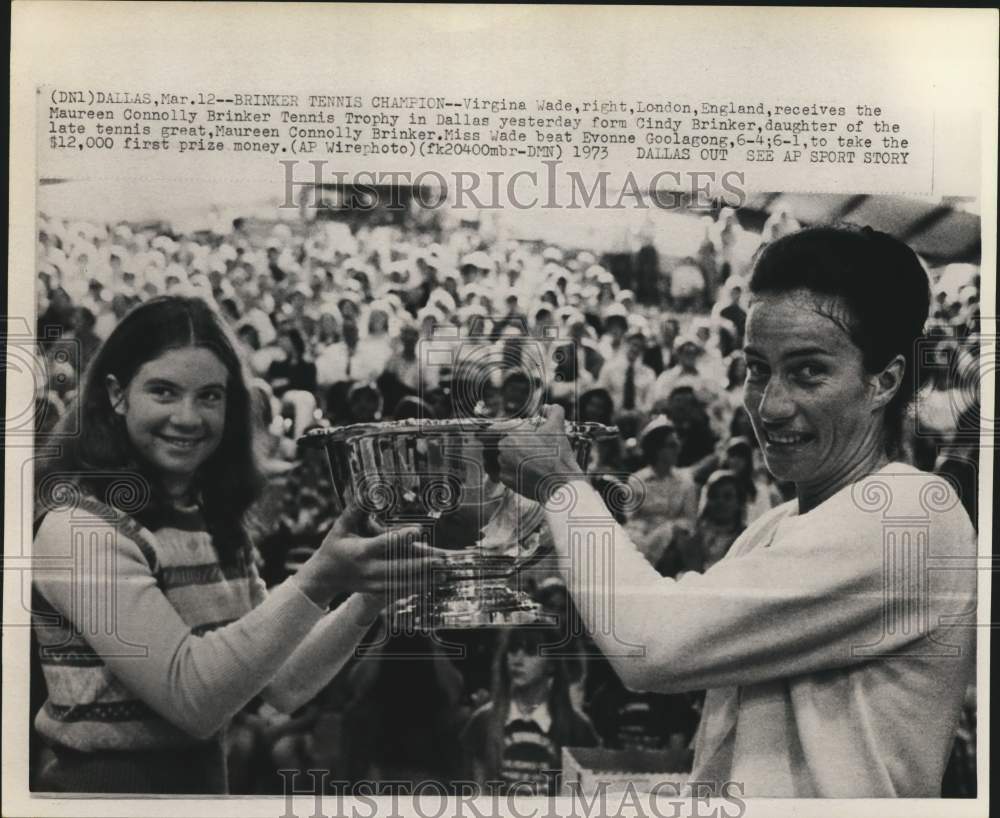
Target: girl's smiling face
[{"x": 174, "y": 410}]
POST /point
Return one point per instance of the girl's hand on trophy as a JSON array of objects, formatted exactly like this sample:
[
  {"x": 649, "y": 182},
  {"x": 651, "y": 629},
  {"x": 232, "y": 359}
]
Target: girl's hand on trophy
[
  {"x": 535, "y": 462},
  {"x": 391, "y": 564}
]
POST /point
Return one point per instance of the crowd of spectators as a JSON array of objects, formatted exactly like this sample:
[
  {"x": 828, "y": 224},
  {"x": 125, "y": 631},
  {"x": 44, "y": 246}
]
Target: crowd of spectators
[{"x": 346, "y": 322}]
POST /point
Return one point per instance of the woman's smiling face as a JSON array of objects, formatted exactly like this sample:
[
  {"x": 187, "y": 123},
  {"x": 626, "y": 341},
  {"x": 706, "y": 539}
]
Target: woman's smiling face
[{"x": 813, "y": 406}]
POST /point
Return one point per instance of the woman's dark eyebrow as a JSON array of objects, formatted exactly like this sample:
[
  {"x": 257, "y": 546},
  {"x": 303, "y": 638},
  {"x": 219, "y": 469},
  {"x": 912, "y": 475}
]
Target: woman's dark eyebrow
[
  {"x": 794, "y": 353},
  {"x": 803, "y": 352}
]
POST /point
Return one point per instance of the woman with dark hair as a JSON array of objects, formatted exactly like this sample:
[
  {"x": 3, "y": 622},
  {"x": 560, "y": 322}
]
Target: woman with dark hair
[
  {"x": 516, "y": 740},
  {"x": 721, "y": 515},
  {"x": 668, "y": 494},
  {"x": 163, "y": 631},
  {"x": 836, "y": 661}
]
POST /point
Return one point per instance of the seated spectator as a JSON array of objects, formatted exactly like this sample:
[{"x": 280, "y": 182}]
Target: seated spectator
[
  {"x": 761, "y": 495},
  {"x": 517, "y": 738},
  {"x": 669, "y": 494},
  {"x": 721, "y": 519},
  {"x": 693, "y": 426},
  {"x": 721, "y": 515}
]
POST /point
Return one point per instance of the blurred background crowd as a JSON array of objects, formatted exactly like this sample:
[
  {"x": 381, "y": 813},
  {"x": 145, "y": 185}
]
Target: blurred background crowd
[{"x": 359, "y": 319}]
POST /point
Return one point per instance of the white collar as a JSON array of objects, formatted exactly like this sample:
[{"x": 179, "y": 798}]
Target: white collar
[{"x": 540, "y": 715}]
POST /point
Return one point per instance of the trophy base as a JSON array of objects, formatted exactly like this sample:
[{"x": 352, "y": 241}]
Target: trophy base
[{"x": 489, "y": 604}]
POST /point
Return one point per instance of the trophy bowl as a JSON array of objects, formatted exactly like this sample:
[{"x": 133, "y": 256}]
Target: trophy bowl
[{"x": 443, "y": 475}]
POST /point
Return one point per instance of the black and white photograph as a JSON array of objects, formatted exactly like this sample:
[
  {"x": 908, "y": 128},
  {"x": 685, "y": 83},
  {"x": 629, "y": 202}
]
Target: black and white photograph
[{"x": 496, "y": 437}]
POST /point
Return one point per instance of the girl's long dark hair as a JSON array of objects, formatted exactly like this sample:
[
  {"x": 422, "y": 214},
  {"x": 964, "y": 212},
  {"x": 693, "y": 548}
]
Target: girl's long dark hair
[
  {"x": 559, "y": 702},
  {"x": 100, "y": 459}
]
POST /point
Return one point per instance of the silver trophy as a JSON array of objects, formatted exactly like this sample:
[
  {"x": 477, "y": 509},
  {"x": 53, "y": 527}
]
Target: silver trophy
[{"x": 443, "y": 475}]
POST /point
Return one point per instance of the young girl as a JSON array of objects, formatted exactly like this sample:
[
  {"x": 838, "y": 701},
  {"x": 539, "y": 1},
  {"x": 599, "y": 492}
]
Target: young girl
[
  {"x": 516, "y": 740},
  {"x": 153, "y": 625},
  {"x": 721, "y": 515}
]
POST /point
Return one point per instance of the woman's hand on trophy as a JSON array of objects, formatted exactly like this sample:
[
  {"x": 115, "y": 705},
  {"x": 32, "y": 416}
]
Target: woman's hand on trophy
[
  {"x": 535, "y": 462},
  {"x": 389, "y": 565}
]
